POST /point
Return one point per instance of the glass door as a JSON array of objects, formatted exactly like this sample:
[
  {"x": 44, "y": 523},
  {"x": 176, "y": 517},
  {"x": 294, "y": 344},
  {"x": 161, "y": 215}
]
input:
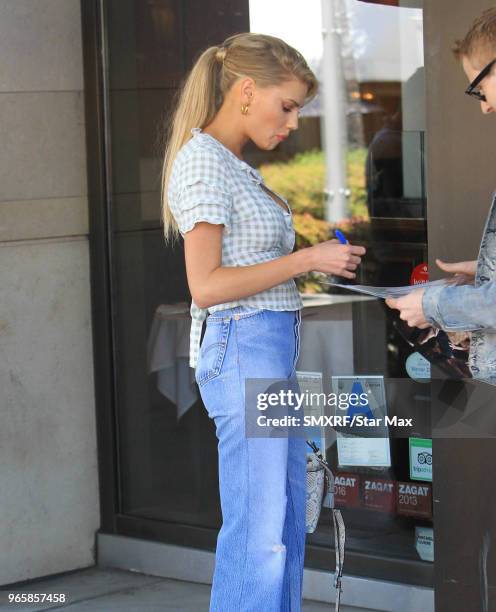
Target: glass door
[
  {"x": 167, "y": 470},
  {"x": 365, "y": 176},
  {"x": 166, "y": 444}
]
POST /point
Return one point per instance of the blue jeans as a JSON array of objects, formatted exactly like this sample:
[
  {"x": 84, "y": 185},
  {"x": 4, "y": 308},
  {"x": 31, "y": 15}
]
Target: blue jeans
[{"x": 262, "y": 481}]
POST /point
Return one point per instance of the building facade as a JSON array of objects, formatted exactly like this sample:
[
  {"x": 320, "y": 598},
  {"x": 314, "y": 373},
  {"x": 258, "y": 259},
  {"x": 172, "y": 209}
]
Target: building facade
[{"x": 111, "y": 456}]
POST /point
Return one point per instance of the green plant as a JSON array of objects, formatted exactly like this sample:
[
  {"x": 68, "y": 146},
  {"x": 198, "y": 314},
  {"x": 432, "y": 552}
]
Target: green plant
[{"x": 301, "y": 181}]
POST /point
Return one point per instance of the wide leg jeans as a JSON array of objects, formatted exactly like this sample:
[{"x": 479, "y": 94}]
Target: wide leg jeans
[{"x": 261, "y": 544}]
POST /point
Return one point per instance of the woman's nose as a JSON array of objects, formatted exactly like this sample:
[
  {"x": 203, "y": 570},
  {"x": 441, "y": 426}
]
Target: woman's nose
[{"x": 293, "y": 122}]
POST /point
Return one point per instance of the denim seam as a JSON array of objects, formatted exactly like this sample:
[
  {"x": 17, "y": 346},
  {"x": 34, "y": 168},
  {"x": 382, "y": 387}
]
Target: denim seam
[
  {"x": 297, "y": 354},
  {"x": 296, "y": 330},
  {"x": 214, "y": 345},
  {"x": 297, "y": 340},
  {"x": 239, "y": 315},
  {"x": 252, "y": 313},
  {"x": 235, "y": 330},
  {"x": 296, "y": 531}
]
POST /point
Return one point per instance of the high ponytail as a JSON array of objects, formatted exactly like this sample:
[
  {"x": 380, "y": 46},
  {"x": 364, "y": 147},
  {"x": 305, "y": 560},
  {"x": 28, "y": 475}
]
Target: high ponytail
[
  {"x": 196, "y": 107},
  {"x": 266, "y": 59}
]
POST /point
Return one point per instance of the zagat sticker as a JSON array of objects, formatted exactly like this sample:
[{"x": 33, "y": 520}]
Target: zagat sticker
[
  {"x": 347, "y": 490},
  {"x": 414, "y": 499},
  {"x": 379, "y": 494}
]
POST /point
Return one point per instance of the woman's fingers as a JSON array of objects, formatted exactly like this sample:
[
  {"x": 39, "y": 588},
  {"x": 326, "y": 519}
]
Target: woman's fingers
[
  {"x": 347, "y": 274},
  {"x": 340, "y": 259},
  {"x": 358, "y": 250},
  {"x": 352, "y": 260}
]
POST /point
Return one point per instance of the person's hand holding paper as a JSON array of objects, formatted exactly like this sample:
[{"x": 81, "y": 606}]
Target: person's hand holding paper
[{"x": 410, "y": 306}]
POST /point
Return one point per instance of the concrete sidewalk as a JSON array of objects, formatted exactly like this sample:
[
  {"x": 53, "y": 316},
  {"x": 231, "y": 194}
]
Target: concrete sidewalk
[{"x": 99, "y": 589}]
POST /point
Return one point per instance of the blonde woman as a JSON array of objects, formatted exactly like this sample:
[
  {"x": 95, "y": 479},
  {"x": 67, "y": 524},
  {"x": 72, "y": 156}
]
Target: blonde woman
[{"x": 238, "y": 243}]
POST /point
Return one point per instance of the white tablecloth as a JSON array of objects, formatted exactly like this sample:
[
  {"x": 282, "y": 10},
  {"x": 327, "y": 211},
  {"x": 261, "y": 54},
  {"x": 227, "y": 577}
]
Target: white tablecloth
[
  {"x": 168, "y": 355},
  {"x": 326, "y": 345}
]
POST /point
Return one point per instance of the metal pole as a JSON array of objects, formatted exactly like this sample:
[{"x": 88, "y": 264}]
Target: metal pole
[{"x": 334, "y": 130}]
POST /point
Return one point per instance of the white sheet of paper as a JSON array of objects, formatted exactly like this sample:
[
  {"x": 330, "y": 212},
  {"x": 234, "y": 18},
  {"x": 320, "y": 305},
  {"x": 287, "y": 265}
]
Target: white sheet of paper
[
  {"x": 370, "y": 452},
  {"x": 384, "y": 292},
  {"x": 311, "y": 382},
  {"x": 359, "y": 450}
]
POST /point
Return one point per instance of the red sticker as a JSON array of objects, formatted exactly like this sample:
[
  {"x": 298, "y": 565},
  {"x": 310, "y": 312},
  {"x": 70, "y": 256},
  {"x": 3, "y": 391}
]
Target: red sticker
[
  {"x": 347, "y": 490},
  {"x": 419, "y": 275},
  {"x": 415, "y": 499},
  {"x": 379, "y": 494}
]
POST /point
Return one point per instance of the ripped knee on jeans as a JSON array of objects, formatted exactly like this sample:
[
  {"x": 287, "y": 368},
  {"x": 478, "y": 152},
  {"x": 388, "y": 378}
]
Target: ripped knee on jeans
[{"x": 278, "y": 548}]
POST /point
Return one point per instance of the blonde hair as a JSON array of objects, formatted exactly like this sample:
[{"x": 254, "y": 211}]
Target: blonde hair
[
  {"x": 266, "y": 59},
  {"x": 480, "y": 40}
]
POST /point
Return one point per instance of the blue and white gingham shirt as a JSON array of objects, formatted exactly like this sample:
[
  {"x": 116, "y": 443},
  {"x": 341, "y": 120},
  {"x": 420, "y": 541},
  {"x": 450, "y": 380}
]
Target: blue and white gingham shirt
[{"x": 209, "y": 183}]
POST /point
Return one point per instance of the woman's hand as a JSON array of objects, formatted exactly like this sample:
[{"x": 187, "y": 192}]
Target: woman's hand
[
  {"x": 464, "y": 271},
  {"x": 332, "y": 257}
]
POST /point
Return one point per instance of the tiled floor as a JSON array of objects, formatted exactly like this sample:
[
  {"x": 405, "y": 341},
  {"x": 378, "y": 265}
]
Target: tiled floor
[{"x": 113, "y": 590}]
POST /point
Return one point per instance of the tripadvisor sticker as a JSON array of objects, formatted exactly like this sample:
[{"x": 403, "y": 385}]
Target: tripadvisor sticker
[
  {"x": 418, "y": 367},
  {"x": 420, "y": 458}
]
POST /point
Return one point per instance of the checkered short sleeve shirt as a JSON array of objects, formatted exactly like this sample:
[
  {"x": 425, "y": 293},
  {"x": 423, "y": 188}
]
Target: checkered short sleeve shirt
[{"x": 209, "y": 183}]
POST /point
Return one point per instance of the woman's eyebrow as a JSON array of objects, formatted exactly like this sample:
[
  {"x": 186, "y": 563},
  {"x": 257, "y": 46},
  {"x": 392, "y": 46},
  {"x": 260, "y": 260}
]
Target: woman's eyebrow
[{"x": 295, "y": 103}]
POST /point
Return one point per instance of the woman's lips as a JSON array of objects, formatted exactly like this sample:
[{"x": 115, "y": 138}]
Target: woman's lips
[{"x": 281, "y": 136}]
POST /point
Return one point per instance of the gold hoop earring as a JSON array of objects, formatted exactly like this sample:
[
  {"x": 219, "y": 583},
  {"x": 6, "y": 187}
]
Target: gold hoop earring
[{"x": 244, "y": 109}]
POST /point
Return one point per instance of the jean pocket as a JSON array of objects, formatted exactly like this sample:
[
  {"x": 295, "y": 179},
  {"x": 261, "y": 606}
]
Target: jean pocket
[{"x": 212, "y": 351}]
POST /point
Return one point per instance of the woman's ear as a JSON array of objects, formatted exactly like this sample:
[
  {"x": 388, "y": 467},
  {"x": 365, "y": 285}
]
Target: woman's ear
[{"x": 247, "y": 89}]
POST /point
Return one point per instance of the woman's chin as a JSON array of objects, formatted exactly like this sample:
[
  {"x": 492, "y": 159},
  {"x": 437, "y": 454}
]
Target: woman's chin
[{"x": 267, "y": 145}]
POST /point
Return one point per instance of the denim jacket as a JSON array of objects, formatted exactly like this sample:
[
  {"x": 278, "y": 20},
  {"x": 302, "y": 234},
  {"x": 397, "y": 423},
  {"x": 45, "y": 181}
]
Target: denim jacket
[{"x": 472, "y": 307}]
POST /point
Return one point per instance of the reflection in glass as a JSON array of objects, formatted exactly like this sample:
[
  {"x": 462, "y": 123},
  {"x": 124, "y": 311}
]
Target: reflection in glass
[
  {"x": 380, "y": 49},
  {"x": 167, "y": 443}
]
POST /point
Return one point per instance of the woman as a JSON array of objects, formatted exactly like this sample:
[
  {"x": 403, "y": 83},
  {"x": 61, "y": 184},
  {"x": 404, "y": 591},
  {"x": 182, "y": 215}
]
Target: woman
[{"x": 238, "y": 242}]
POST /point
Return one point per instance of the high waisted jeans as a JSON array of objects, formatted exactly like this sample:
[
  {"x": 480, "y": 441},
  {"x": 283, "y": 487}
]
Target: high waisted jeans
[{"x": 261, "y": 544}]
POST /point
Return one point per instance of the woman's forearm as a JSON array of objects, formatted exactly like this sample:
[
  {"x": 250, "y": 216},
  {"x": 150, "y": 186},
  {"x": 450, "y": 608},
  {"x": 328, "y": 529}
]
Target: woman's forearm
[
  {"x": 211, "y": 283},
  {"x": 228, "y": 284}
]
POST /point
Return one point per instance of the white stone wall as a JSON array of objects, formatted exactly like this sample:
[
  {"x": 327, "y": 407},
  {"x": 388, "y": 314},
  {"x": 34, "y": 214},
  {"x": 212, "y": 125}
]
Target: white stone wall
[{"x": 49, "y": 505}]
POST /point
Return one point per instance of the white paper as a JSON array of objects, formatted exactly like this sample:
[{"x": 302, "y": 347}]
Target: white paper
[
  {"x": 370, "y": 452},
  {"x": 361, "y": 450},
  {"x": 311, "y": 382},
  {"x": 424, "y": 542},
  {"x": 384, "y": 292}
]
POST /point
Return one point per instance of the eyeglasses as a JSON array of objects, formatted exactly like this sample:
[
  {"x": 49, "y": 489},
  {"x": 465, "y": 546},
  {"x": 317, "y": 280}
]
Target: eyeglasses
[{"x": 472, "y": 88}]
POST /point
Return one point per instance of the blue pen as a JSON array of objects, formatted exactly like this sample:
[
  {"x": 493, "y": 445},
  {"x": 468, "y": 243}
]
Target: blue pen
[{"x": 340, "y": 236}]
